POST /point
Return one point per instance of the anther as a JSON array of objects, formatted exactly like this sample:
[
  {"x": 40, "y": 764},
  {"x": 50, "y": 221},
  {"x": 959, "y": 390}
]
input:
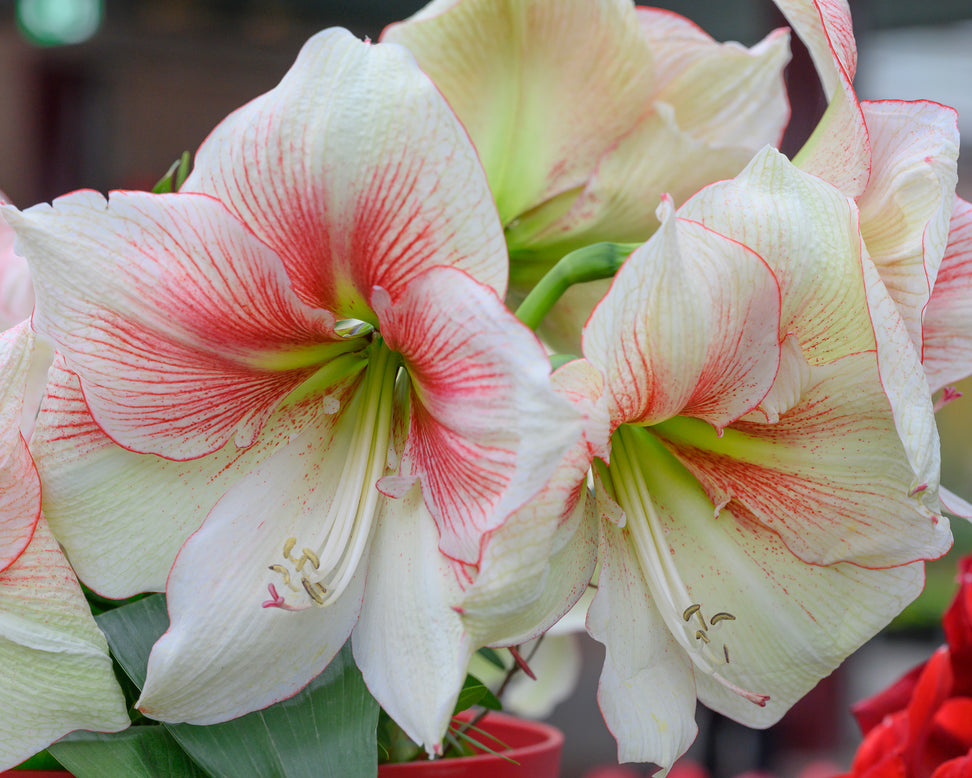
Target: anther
[
  {"x": 314, "y": 590},
  {"x": 690, "y": 611},
  {"x": 285, "y": 574},
  {"x": 311, "y": 557},
  {"x": 725, "y": 652},
  {"x": 722, "y": 617},
  {"x": 288, "y": 546},
  {"x": 700, "y": 635}
]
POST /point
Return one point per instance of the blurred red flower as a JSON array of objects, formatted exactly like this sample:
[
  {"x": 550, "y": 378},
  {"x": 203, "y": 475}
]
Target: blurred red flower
[{"x": 921, "y": 726}]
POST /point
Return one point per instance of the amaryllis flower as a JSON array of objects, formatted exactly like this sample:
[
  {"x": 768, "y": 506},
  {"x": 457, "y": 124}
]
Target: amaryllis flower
[
  {"x": 57, "y": 675},
  {"x": 306, "y": 347},
  {"x": 761, "y": 515},
  {"x": 583, "y": 111},
  {"x": 921, "y": 725}
]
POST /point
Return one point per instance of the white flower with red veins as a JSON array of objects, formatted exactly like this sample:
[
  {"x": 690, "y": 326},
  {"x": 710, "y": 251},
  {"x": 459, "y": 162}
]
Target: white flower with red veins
[{"x": 306, "y": 347}]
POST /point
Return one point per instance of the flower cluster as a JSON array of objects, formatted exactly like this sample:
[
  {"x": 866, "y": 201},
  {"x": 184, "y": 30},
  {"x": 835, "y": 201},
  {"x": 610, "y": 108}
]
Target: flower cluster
[{"x": 294, "y": 396}]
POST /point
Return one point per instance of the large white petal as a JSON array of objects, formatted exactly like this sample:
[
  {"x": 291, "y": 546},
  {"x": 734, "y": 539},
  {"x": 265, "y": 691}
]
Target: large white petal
[
  {"x": 357, "y": 173},
  {"x": 646, "y": 693},
  {"x": 833, "y": 299},
  {"x": 543, "y": 88},
  {"x": 409, "y": 642},
  {"x": 793, "y": 622},
  {"x": 229, "y": 650}
]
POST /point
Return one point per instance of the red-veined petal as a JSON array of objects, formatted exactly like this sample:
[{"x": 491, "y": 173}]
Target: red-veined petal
[
  {"x": 830, "y": 477},
  {"x": 486, "y": 429},
  {"x": 181, "y": 324},
  {"x": 690, "y": 326},
  {"x": 906, "y": 207},
  {"x": 354, "y": 170},
  {"x": 136, "y": 510}
]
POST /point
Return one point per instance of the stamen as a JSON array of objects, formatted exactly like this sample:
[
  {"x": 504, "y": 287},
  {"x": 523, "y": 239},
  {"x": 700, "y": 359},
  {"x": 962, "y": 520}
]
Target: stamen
[
  {"x": 311, "y": 557},
  {"x": 647, "y": 534},
  {"x": 314, "y": 590},
  {"x": 288, "y": 546},
  {"x": 325, "y": 570},
  {"x": 281, "y": 570}
]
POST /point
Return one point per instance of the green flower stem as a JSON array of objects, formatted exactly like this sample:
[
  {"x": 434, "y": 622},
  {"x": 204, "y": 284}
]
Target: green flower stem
[{"x": 591, "y": 263}]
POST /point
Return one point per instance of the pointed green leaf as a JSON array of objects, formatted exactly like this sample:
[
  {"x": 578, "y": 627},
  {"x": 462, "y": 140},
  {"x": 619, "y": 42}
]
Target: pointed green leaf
[
  {"x": 138, "y": 752},
  {"x": 474, "y": 692},
  {"x": 492, "y": 656}
]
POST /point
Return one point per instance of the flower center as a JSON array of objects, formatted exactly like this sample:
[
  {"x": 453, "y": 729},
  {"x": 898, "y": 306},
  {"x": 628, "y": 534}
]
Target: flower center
[
  {"x": 683, "y": 615},
  {"x": 315, "y": 574}
]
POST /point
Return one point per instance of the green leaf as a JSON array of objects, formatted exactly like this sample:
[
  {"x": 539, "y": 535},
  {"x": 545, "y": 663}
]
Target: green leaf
[
  {"x": 492, "y": 656},
  {"x": 40, "y": 761},
  {"x": 138, "y": 752},
  {"x": 175, "y": 176},
  {"x": 327, "y": 729},
  {"x": 474, "y": 692}
]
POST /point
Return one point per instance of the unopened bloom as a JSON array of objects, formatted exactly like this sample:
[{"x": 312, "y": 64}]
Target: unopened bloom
[{"x": 306, "y": 347}]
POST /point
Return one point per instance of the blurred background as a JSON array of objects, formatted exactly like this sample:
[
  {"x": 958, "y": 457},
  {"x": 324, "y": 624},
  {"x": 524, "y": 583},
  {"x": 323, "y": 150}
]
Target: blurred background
[{"x": 106, "y": 94}]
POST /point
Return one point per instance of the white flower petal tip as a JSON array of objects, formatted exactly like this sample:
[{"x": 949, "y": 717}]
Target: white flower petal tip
[{"x": 953, "y": 504}]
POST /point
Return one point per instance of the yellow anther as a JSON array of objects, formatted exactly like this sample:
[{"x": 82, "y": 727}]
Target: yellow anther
[
  {"x": 690, "y": 611},
  {"x": 311, "y": 557},
  {"x": 700, "y": 635},
  {"x": 286, "y": 576},
  {"x": 722, "y": 617},
  {"x": 288, "y": 546},
  {"x": 314, "y": 590},
  {"x": 725, "y": 652}
]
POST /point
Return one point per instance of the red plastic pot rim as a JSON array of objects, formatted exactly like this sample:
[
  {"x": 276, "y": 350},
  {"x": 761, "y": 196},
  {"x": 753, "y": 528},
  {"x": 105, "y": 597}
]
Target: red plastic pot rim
[{"x": 528, "y": 740}]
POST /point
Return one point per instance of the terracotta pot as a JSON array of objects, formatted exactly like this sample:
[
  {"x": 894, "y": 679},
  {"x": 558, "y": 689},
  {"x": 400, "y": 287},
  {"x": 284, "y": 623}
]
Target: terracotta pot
[{"x": 535, "y": 747}]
